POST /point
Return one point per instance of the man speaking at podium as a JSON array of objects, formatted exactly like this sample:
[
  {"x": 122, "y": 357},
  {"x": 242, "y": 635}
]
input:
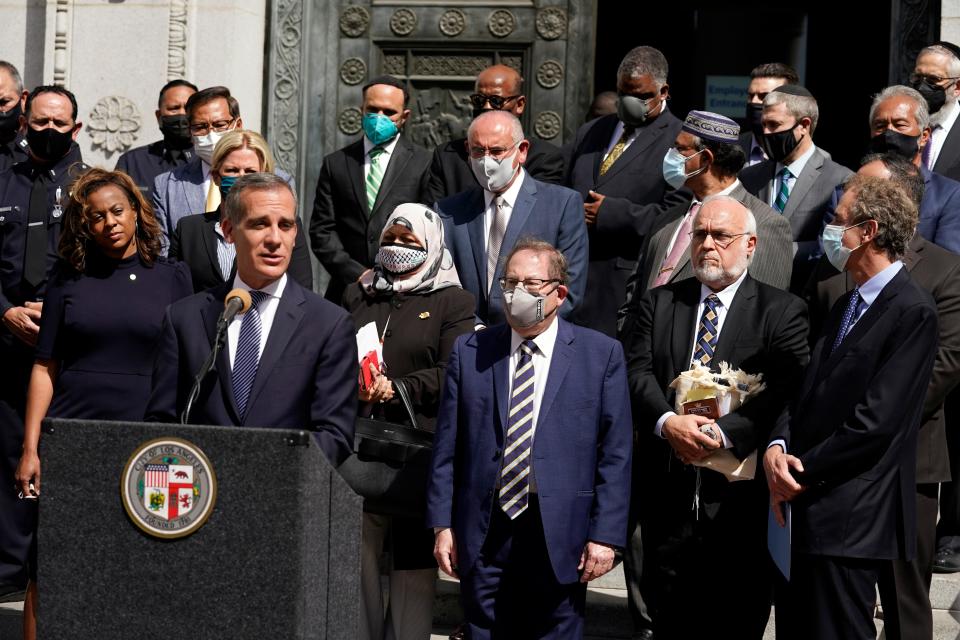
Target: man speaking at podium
[{"x": 289, "y": 359}]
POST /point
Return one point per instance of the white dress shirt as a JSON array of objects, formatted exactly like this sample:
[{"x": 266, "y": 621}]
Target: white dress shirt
[
  {"x": 939, "y": 132},
  {"x": 726, "y": 299},
  {"x": 384, "y": 159},
  {"x": 509, "y": 200},
  {"x": 267, "y": 309},
  {"x": 796, "y": 167}
]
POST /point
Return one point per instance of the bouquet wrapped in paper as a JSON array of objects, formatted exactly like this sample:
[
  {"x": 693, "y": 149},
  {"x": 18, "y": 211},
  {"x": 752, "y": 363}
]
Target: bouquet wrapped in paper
[{"x": 713, "y": 395}]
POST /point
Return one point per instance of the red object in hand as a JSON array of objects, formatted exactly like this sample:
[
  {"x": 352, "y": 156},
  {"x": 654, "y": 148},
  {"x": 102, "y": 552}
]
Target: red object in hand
[{"x": 366, "y": 377}]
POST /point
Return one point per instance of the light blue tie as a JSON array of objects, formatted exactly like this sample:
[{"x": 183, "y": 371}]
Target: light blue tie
[
  {"x": 515, "y": 474},
  {"x": 247, "y": 358}
]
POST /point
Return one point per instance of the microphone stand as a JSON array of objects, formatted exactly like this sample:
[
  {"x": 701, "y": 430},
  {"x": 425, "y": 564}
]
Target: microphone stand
[{"x": 219, "y": 340}]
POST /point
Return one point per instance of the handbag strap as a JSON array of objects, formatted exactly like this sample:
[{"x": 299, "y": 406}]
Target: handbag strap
[{"x": 405, "y": 397}]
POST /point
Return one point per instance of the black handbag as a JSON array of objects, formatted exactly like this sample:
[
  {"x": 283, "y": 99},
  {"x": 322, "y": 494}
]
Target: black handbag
[{"x": 390, "y": 463}]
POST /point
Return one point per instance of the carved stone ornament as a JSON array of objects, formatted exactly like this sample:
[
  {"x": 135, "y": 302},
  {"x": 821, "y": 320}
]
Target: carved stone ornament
[
  {"x": 353, "y": 71},
  {"x": 549, "y": 74},
  {"x": 395, "y": 65},
  {"x": 354, "y": 21},
  {"x": 501, "y": 23},
  {"x": 177, "y": 40},
  {"x": 403, "y": 22},
  {"x": 350, "y": 121},
  {"x": 452, "y": 22},
  {"x": 551, "y": 23},
  {"x": 548, "y": 125},
  {"x": 113, "y": 123}
]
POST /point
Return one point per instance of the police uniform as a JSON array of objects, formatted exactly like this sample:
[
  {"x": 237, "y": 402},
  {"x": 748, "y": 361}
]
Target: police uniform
[
  {"x": 16, "y": 183},
  {"x": 145, "y": 163},
  {"x": 13, "y": 152}
]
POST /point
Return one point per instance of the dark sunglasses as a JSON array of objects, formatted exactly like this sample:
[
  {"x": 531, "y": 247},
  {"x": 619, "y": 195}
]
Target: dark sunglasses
[{"x": 497, "y": 102}]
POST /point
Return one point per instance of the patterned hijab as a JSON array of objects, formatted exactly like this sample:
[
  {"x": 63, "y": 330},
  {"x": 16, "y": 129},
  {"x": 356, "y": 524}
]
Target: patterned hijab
[{"x": 438, "y": 271}]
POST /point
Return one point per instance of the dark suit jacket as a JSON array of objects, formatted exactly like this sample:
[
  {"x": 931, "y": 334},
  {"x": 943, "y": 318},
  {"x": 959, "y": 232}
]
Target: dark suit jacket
[
  {"x": 581, "y": 450},
  {"x": 948, "y": 161},
  {"x": 937, "y": 271},
  {"x": 450, "y": 168},
  {"x": 307, "y": 377},
  {"x": 545, "y": 211},
  {"x": 813, "y": 193},
  {"x": 635, "y": 195},
  {"x": 344, "y": 232},
  {"x": 854, "y": 424},
  {"x": 194, "y": 241}
]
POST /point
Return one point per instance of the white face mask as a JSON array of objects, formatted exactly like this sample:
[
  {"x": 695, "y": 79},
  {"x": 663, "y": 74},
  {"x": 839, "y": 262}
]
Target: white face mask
[
  {"x": 204, "y": 145},
  {"x": 494, "y": 175},
  {"x": 832, "y": 239}
]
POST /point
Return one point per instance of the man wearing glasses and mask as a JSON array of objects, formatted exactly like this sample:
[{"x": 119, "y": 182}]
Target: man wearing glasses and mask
[
  {"x": 483, "y": 223},
  {"x": 188, "y": 189},
  {"x": 936, "y": 76},
  {"x": 498, "y": 88}
]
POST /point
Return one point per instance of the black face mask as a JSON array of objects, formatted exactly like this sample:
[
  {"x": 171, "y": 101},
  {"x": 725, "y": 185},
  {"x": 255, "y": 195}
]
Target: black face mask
[
  {"x": 10, "y": 124},
  {"x": 49, "y": 145},
  {"x": 754, "y": 113},
  {"x": 891, "y": 141},
  {"x": 935, "y": 96},
  {"x": 176, "y": 131},
  {"x": 779, "y": 145}
]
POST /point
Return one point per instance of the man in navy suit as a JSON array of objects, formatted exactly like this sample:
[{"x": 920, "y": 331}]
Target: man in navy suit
[
  {"x": 530, "y": 481},
  {"x": 483, "y": 223},
  {"x": 845, "y": 456},
  {"x": 290, "y": 360}
]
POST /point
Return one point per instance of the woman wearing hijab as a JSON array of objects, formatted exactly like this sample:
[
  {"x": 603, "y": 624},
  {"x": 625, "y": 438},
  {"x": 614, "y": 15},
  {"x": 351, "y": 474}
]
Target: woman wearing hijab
[{"x": 413, "y": 295}]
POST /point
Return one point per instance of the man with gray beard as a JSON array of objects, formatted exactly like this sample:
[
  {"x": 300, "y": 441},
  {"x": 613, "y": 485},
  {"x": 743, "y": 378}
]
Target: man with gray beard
[{"x": 703, "y": 536}]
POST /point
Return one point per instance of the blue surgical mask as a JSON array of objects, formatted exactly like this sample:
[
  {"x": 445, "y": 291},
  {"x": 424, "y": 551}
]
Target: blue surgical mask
[
  {"x": 675, "y": 167},
  {"x": 833, "y": 247},
  {"x": 226, "y": 182},
  {"x": 379, "y": 128}
]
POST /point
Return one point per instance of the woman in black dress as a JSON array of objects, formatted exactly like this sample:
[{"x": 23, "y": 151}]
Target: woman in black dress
[
  {"x": 413, "y": 295},
  {"x": 101, "y": 317}
]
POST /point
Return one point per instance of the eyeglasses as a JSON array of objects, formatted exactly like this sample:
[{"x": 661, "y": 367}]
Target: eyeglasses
[
  {"x": 497, "y": 153},
  {"x": 203, "y": 128},
  {"x": 917, "y": 78},
  {"x": 721, "y": 239},
  {"x": 497, "y": 102},
  {"x": 530, "y": 285}
]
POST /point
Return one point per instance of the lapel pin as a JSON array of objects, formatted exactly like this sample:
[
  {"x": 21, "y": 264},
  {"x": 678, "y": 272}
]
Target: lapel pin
[{"x": 424, "y": 315}]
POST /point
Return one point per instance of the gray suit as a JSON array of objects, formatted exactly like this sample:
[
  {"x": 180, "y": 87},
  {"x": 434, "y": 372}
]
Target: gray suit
[
  {"x": 812, "y": 196},
  {"x": 771, "y": 263}
]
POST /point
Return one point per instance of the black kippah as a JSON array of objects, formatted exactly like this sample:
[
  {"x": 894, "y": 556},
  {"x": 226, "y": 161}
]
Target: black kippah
[
  {"x": 952, "y": 48},
  {"x": 794, "y": 90}
]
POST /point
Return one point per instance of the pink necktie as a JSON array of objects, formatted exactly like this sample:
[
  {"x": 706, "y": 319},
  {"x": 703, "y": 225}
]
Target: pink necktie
[{"x": 680, "y": 244}]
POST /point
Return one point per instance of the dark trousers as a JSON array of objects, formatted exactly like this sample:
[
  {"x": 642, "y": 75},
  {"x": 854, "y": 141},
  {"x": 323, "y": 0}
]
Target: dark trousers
[
  {"x": 633, "y": 556},
  {"x": 18, "y": 518},
  {"x": 511, "y": 592},
  {"x": 948, "y": 529},
  {"x": 905, "y": 585},
  {"x": 828, "y": 598}
]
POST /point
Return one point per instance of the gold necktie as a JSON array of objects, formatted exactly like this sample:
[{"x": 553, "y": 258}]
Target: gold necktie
[
  {"x": 617, "y": 151},
  {"x": 213, "y": 196}
]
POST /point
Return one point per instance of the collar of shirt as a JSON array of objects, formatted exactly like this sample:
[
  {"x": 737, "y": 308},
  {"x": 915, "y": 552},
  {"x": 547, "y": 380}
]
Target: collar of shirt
[
  {"x": 872, "y": 287},
  {"x": 267, "y": 311},
  {"x": 544, "y": 341},
  {"x": 387, "y": 148},
  {"x": 951, "y": 116},
  {"x": 510, "y": 195},
  {"x": 796, "y": 167},
  {"x": 219, "y": 231}
]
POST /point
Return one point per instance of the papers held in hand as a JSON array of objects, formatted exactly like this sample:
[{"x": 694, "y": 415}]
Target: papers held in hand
[{"x": 369, "y": 352}]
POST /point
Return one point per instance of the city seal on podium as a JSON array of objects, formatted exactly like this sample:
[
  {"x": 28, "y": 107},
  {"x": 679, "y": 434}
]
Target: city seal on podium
[{"x": 168, "y": 488}]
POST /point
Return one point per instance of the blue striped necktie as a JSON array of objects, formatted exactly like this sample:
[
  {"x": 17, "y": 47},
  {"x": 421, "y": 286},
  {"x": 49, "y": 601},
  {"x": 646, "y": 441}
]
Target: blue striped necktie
[
  {"x": 849, "y": 314},
  {"x": 247, "y": 358},
  {"x": 707, "y": 332},
  {"x": 781, "y": 202},
  {"x": 515, "y": 475}
]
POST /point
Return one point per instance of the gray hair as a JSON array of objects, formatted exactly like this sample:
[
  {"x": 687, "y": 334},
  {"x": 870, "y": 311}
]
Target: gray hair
[
  {"x": 14, "y": 74},
  {"x": 798, "y": 106},
  {"x": 503, "y": 117},
  {"x": 953, "y": 63},
  {"x": 641, "y": 61},
  {"x": 234, "y": 208},
  {"x": 558, "y": 262},
  {"x": 920, "y": 112}
]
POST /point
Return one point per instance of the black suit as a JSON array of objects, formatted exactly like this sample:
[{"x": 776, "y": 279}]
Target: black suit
[
  {"x": 719, "y": 550},
  {"x": 450, "y": 171},
  {"x": 904, "y": 589},
  {"x": 853, "y": 425},
  {"x": 635, "y": 194},
  {"x": 306, "y": 379},
  {"x": 344, "y": 232},
  {"x": 948, "y": 160},
  {"x": 194, "y": 241}
]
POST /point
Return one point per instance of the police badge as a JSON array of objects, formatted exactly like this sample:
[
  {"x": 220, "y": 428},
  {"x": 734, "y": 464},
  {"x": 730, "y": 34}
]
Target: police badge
[{"x": 168, "y": 488}]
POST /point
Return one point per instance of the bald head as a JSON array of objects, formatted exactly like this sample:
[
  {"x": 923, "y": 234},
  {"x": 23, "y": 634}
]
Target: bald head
[
  {"x": 496, "y": 123},
  {"x": 505, "y": 82},
  {"x": 723, "y": 239}
]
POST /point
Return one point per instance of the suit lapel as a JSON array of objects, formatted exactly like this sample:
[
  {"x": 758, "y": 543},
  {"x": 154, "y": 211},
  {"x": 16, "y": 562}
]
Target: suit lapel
[
  {"x": 478, "y": 242},
  {"x": 735, "y": 320},
  {"x": 803, "y": 184},
  {"x": 949, "y": 150},
  {"x": 353, "y": 158},
  {"x": 285, "y": 322},
  {"x": 603, "y": 132},
  {"x": 563, "y": 354},
  {"x": 210, "y": 243},
  {"x": 686, "y": 300},
  {"x": 398, "y": 161},
  {"x": 210, "y": 313},
  {"x": 645, "y": 138},
  {"x": 522, "y": 207}
]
